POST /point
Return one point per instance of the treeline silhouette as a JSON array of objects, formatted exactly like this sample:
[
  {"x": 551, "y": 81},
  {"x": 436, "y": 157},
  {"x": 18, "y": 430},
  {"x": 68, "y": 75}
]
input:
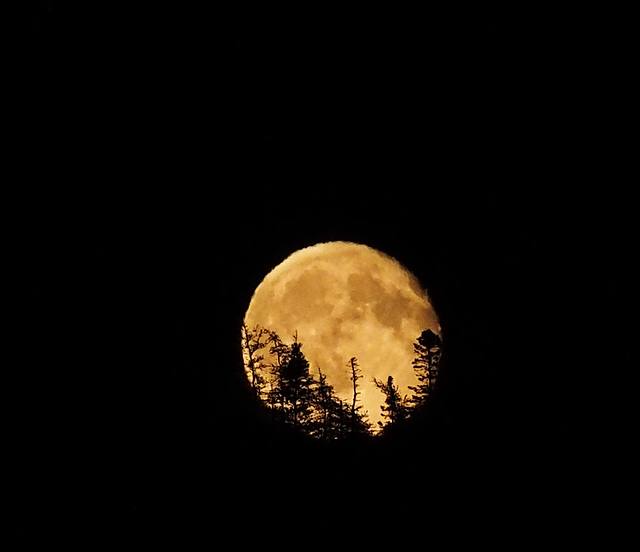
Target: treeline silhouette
[{"x": 296, "y": 398}]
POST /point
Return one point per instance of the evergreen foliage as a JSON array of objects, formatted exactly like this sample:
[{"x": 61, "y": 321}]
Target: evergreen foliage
[
  {"x": 396, "y": 407},
  {"x": 287, "y": 387},
  {"x": 428, "y": 350}
]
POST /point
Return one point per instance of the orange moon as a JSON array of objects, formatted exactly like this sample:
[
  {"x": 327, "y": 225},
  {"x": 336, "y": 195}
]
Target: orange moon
[{"x": 347, "y": 300}]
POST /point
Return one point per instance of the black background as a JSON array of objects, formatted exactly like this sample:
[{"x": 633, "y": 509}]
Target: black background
[{"x": 168, "y": 158}]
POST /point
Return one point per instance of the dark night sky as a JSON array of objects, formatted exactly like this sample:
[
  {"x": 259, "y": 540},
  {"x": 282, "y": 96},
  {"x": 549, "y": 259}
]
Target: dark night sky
[{"x": 170, "y": 159}]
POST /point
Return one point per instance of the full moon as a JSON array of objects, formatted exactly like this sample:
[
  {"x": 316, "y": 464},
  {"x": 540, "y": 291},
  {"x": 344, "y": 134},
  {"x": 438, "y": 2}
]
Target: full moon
[{"x": 347, "y": 300}]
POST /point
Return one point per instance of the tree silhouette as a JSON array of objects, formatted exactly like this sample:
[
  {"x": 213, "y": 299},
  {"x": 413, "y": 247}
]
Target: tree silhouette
[
  {"x": 396, "y": 406},
  {"x": 280, "y": 351},
  {"x": 357, "y": 418},
  {"x": 429, "y": 351},
  {"x": 329, "y": 411},
  {"x": 296, "y": 384},
  {"x": 356, "y": 374},
  {"x": 323, "y": 398},
  {"x": 297, "y": 399},
  {"x": 252, "y": 342},
  {"x": 290, "y": 385}
]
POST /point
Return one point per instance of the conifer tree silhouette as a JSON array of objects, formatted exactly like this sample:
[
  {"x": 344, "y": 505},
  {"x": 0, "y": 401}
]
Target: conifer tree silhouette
[
  {"x": 329, "y": 417},
  {"x": 356, "y": 374},
  {"x": 253, "y": 341},
  {"x": 294, "y": 396},
  {"x": 296, "y": 384},
  {"x": 322, "y": 402},
  {"x": 280, "y": 351},
  {"x": 428, "y": 351},
  {"x": 395, "y": 408},
  {"x": 358, "y": 423}
]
